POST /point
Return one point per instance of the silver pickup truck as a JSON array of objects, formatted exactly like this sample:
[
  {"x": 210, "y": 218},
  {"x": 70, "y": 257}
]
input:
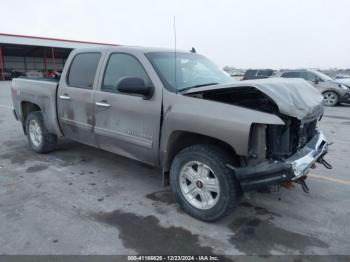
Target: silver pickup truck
[{"x": 211, "y": 137}]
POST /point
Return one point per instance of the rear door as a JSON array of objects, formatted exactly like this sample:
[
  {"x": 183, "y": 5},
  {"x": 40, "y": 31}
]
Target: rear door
[
  {"x": 75, "y": 98},
  {"x": 127, "y": 124}
]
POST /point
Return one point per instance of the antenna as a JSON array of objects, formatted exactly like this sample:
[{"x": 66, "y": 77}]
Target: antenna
[{"x": 175, "y": 53}]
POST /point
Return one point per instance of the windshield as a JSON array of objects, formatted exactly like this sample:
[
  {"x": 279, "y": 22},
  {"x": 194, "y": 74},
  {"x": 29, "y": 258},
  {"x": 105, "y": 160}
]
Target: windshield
[
  {"x": 192, "y": 70},
  {"x": 323, "y": 76}
]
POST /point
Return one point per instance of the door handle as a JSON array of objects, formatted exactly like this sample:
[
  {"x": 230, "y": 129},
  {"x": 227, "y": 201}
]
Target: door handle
[
  {"x": 65, "y": 97},
  {"x": 103, "y": 104}
]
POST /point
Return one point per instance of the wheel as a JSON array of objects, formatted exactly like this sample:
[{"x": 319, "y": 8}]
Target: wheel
[
  {"x": 40, "y": 140},
  {"x": 203, "y": 185},
  {"x": 330, "y": 98}
]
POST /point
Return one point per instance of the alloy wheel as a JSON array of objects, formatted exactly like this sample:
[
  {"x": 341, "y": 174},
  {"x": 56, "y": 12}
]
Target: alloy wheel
[{"x": 199, "y": 185}]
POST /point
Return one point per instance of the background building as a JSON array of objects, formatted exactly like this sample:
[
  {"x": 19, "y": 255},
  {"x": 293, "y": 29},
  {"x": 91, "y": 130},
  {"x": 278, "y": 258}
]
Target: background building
[{"x": 35, "y": 56}]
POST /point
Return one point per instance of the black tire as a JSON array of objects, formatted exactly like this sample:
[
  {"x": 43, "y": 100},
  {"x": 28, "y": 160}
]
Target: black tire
[
  {"x": 331, "y": 98},
  {"x": 48, "y": 141},
  {"x": 216, "y": 159}
]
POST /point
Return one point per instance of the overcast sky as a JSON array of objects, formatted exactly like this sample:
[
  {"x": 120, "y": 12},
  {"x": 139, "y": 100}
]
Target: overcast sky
[{"x": 241, "y": 33}]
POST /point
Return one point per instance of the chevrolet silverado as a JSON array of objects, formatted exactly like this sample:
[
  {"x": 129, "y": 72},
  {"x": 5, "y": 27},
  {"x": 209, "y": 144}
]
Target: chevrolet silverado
[{"x": 212, "y": 138}]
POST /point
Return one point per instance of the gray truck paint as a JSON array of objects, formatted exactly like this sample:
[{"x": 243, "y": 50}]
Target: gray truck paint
[
  {"x": 144, "y": 129},
  {"x": 43, "y": 95}
]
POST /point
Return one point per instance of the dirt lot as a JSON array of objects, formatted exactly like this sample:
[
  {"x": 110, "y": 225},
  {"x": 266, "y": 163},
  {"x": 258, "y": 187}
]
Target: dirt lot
[{"x": 79, "y": 200}]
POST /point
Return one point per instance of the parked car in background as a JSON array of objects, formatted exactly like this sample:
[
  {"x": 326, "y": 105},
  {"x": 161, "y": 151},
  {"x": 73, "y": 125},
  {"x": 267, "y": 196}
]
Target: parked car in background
[
  {"x": 237, "y": 76},
  {"x": 52, "y": 74},
  {"x": 334, "y": 93},
  {"x": 16, "y": 74},
  {"x": 258, "y": 74},
  {"x": 5, "y": 75},
  {"x": 9, "y": 74},
  {"x": 34, "y": 74},
  {"x": 235, "y": 73},
  {"x": 342, "y": 76},
  {"x": 343, "y": 81}
]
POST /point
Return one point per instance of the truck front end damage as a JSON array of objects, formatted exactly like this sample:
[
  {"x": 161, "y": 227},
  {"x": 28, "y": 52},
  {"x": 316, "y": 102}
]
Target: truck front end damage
[
  {"x": 277, "y": 154},
  {"x": 281, "y": 165}
]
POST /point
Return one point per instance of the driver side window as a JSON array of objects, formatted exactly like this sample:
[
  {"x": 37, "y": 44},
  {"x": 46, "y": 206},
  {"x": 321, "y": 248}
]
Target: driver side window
[{"x": 122, "y": 65}]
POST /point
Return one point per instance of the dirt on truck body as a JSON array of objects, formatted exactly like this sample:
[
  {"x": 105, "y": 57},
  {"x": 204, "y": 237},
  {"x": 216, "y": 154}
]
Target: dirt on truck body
[{"x": 212, "y": 138}]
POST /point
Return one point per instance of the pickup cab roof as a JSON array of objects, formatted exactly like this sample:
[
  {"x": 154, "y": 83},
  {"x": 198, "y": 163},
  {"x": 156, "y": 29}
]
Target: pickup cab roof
[{"x": 131, "y": 49}]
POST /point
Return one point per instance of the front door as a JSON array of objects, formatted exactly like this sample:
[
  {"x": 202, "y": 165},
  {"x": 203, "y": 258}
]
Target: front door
[
  {"x": 127, "y": 124},
  {"x": 75, "y": 99}
]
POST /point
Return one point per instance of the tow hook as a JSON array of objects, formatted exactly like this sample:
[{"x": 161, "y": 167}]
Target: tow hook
[
  {"x": 303, "y": 184},
  {"x": 325, "y": 163},
  {"x": 322, "y": 161}
]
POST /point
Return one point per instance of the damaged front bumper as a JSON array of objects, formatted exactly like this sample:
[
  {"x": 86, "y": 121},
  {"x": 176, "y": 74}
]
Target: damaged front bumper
[{"x": 273, "y": 173}]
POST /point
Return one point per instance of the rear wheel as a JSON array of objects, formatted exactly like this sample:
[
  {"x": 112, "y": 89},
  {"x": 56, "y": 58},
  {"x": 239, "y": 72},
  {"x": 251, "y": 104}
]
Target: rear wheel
[
  {"x": 330, "y": 98},
  {"x": 40, "y": 140},
  {"x": 203, "y": 185}
]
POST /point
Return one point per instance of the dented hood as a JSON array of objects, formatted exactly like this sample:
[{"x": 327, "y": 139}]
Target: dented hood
[{"x": 294, "y": 97}]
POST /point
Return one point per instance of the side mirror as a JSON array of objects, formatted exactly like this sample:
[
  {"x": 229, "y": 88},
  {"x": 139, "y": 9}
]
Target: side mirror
[
  {"x": 316, "y": 81},
  {"x": 134, "y": 85}
]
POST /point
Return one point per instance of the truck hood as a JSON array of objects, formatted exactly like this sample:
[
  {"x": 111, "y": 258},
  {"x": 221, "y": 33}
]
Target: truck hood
[{"x": 293, "y": 97}]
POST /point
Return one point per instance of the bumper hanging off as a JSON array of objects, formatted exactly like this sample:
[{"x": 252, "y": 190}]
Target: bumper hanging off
[{"x": 270, "y": 173}]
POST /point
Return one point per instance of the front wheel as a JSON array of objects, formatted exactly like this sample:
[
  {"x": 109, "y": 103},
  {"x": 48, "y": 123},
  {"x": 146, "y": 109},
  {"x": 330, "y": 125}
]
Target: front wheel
[
  {"x": 330, "y": 98},
  {"x": 203, "y": 185},
  {"x": 40, "y": 140}
]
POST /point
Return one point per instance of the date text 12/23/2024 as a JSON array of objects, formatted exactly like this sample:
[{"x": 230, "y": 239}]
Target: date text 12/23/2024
[{"x": 174, "y": 258}]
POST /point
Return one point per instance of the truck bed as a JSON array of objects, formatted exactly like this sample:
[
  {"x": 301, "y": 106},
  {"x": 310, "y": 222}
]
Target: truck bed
[{"x": 41, "y": 92}]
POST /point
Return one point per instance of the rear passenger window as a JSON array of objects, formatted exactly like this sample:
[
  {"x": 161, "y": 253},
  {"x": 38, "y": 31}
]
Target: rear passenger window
[
  {"x": 291, "y": 75},
  {"x": 266, "y": 73},
  {"x": 120, "y": 66},
  {"x": 308, "y": 76},
  {"x": 83, "y": 70},
  {"x": 251, "y": 72}
]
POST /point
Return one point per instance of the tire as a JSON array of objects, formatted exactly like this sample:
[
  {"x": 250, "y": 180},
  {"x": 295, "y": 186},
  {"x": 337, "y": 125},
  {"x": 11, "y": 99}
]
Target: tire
[
  {"x": 210, "y": 161},
  {"x": 40, "y": 140},
  {"x": 330, "y": 98}
]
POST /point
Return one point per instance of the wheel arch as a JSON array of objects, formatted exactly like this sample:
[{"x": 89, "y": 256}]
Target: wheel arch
[
  {"x": 331, "y": 90},
  {"x": 179, "y": 140}
]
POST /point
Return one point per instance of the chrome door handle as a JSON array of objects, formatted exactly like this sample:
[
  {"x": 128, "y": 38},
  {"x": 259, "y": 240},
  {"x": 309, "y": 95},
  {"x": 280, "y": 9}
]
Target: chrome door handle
[
  {"x": 103, "y": 104},
  {"x": 65, "y": 97}
]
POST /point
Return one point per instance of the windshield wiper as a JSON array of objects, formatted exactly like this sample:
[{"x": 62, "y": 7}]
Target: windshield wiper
[{"x": 196, "y": 86}]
